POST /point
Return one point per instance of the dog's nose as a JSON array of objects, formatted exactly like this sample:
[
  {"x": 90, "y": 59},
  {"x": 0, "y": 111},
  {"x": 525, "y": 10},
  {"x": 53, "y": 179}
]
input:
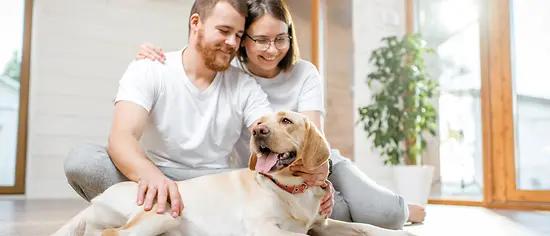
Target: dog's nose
[{"x": 260, "y": 130}]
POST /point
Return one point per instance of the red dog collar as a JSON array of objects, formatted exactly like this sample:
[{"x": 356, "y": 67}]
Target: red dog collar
[{"x": 293, "y": 189}]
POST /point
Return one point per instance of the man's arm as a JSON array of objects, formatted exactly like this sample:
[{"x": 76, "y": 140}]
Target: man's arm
[
  {"x": 137, "y": 94},
  {"x": 124, "y": 147},
  {"x": 129, "y": 157}
]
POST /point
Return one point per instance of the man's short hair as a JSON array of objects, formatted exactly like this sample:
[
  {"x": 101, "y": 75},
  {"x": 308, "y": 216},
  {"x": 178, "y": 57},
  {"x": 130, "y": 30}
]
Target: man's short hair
[{"x": 204, "y": 7}]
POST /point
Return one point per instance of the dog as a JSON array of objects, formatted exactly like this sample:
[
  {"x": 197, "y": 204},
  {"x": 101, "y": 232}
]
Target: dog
[{"x": 264, "y": 200}]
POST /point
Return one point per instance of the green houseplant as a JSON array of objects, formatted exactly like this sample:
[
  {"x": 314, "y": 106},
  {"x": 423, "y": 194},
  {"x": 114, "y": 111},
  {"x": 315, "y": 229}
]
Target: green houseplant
[{"x": 401, "y": 112}]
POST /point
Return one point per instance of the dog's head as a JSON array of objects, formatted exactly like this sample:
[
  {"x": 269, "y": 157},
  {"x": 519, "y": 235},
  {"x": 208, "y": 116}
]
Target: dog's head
[{"x": 283, "y": 138}]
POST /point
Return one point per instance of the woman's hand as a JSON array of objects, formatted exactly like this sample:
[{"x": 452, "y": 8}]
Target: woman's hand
[
  {"x": 312, "y": 177},
  {"x": 317, "y": 177},
  {"x": 150, "y": 51},
  {"x": 328, "y": 201}
]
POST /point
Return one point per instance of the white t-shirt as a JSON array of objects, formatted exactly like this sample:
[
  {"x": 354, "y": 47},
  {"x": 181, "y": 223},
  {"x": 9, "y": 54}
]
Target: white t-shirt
[
  {"x": 187, "y": 128},
  {"x": 300, "y": 89}
]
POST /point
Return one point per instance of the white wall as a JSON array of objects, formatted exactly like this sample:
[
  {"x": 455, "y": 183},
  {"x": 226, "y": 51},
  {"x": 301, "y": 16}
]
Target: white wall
[
  {"x": 372, "y": 20},
  {"x": 79, "y": 51}
]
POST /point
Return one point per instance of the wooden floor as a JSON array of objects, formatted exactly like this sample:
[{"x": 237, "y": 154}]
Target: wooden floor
[{"x": 43, "y": 217}]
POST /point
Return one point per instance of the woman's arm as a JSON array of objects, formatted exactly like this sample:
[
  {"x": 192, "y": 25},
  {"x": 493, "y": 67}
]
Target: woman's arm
[
  {"x": 311, "y": 100},
  {"x": 327, "y": 202},
  {"x": 316, "y": 118}
]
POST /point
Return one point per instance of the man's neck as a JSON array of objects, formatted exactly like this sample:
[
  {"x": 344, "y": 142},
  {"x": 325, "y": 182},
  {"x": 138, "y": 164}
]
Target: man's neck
[{"x": 194, "y": 66}]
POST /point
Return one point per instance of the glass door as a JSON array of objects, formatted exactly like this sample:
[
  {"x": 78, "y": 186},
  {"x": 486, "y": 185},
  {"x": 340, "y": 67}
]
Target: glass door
[
  {"x": 520, "y": 99},
  {"x": 452, "y": 29},
  {"x": 529, "y": 37}
]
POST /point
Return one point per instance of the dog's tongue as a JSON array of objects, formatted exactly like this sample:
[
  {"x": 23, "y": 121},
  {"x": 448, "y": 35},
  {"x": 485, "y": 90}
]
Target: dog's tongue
[{"x": 266, "y": 162}]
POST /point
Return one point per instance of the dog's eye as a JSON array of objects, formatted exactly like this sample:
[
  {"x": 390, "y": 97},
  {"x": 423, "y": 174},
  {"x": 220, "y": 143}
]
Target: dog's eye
[{"x": 286, "y": 121}]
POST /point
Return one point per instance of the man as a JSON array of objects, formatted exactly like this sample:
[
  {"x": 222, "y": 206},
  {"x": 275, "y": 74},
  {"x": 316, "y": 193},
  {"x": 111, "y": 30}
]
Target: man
[{"x": 187, "y": 113}]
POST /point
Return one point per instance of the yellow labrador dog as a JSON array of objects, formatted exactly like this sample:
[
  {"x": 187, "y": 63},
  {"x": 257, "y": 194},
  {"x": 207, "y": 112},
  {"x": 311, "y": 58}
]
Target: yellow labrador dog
[{"x": 264, "y": 200}]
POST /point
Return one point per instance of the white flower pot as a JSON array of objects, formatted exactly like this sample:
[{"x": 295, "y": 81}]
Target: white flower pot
[{"x": 413, "y": 183}]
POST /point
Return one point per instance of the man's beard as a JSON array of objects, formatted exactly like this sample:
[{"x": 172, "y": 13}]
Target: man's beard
[{"x": 209, "y": 53}]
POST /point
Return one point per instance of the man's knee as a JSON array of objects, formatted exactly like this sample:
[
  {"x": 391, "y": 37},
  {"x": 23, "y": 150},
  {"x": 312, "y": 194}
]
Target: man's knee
[
  {"x": 89, "y": 170},
  {"x": 81, "y": 161}
]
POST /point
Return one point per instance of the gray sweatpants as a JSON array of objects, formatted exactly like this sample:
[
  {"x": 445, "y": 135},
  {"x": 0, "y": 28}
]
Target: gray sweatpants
[{"x": 357, "y": 198}]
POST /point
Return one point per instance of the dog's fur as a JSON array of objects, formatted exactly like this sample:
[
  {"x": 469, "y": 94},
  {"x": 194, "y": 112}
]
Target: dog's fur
[{"x": 242, "y": 202}]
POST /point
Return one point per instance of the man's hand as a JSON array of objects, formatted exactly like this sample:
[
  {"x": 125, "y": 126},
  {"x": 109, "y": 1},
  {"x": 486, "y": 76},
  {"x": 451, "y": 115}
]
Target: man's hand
[{"x": 163, "y": 189}]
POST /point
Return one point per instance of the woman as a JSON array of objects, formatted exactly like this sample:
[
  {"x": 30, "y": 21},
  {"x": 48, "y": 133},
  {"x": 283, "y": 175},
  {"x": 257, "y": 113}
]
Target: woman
[{"x": 269, "y": 52}]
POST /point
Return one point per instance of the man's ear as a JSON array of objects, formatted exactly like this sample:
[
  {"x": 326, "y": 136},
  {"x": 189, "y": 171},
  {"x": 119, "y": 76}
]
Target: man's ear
[
  {"x": 315, "y": 149},
  {"x": 194, "y": 22},
  {"x": 252, "y": 161}
]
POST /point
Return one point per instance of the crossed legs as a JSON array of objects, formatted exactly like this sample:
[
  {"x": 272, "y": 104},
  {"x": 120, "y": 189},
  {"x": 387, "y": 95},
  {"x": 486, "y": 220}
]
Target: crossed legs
[{"x": 359, "y": 199}]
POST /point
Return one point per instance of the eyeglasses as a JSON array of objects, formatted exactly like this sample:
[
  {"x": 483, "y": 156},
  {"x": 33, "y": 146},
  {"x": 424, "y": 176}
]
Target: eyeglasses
[{"x": 264, "y": 44}]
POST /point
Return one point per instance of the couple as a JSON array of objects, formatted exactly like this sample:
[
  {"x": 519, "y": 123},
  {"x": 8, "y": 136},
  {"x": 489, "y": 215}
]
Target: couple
[{"x": 187, "y": 113}]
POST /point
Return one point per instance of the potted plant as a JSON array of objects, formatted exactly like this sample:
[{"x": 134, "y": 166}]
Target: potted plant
[{"x": 401, "y": 113}]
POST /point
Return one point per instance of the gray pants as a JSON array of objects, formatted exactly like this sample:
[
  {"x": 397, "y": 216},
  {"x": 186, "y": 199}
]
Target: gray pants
[{"x": 357, "y": 198}]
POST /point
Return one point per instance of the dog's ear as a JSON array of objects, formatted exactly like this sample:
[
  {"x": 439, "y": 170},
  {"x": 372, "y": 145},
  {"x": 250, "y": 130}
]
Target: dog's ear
[
  {"x": 315, "y": 148},
  {"x": 252, "y": 161}
]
